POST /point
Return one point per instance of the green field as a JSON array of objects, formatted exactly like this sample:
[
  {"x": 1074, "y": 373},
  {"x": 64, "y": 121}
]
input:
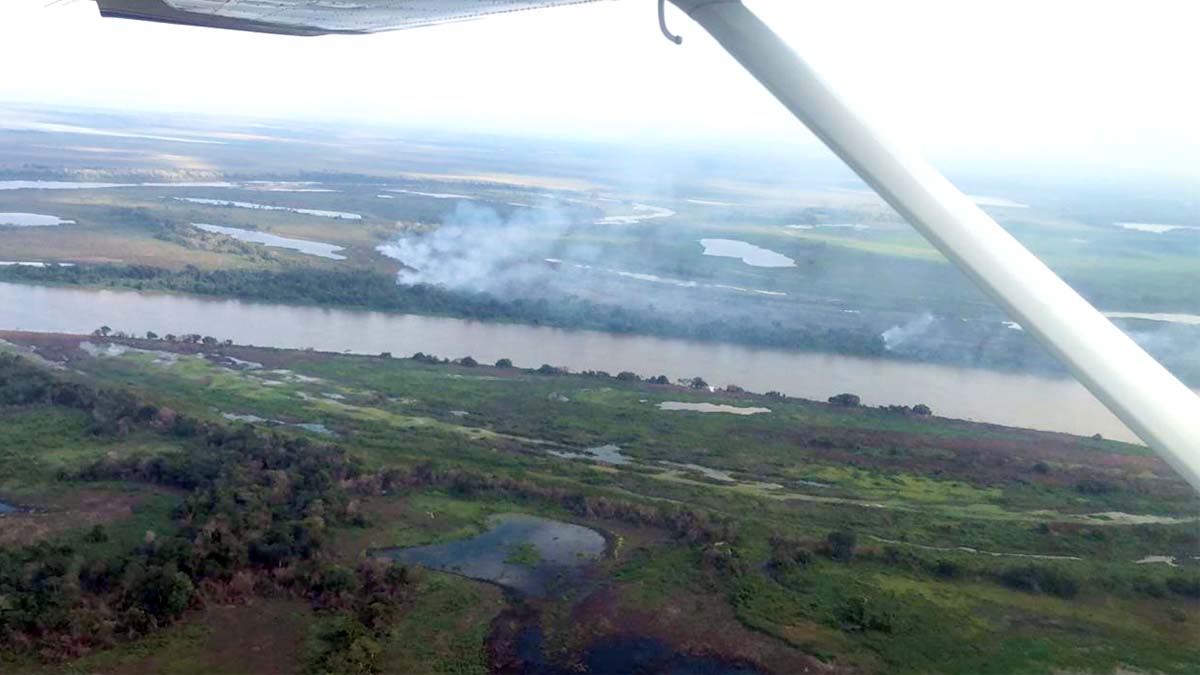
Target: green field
[{"x": 845, "y": 538}]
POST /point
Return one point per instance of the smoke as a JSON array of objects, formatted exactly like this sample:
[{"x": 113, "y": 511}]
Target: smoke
[
  {"x": 476, "y": 249},
  {"x": 898, "y": 336}
]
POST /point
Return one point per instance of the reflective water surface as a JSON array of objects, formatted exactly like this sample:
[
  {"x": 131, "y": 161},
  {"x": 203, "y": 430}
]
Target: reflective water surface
[{"x": 1035, "y": 401}]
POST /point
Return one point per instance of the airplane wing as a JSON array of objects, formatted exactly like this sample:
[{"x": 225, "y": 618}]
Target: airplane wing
[
  {"x": 316, "y": 17},
  {"x": 1136, "y": 388}
]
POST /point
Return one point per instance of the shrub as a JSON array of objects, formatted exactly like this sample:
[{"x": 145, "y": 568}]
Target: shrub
[
  {"x": 947, "y": 569},
  {"x": 1187, "y": 585},
  {"x": 1040, "y": 579},
  {"x": 841, "y": 544},
  {"x": 846, "y": 400}
]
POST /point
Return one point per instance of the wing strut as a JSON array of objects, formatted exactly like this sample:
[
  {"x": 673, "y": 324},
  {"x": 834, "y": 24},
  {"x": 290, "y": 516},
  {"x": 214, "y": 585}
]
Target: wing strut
[{"x": 1135, "y": 387}]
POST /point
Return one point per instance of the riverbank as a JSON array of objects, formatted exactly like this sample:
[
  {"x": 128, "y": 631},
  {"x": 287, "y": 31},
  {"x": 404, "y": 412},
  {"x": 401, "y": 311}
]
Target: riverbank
[{"x": 1031, "y": 401}]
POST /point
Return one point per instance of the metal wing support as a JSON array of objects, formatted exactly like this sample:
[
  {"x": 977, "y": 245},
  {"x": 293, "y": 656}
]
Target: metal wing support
[{"x": 1135, "y": 387}]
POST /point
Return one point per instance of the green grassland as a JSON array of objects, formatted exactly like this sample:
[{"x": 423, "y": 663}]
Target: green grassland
[{"x": 942, "y": 512}]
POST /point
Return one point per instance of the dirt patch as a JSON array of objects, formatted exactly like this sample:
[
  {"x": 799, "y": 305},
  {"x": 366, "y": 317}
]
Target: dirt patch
[
  {"x": 262, "y": 636},
  {"x": 80, "y": 509}
]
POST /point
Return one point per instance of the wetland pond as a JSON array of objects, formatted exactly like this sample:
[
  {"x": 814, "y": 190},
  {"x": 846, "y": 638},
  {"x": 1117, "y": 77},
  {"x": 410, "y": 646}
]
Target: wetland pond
[
  {"x": 528, "y": 554},
  {"x": 308, "y": 247}
]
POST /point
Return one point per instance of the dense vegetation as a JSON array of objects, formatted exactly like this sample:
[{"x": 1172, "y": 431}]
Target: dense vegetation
[{"x": 796, "y": 571}]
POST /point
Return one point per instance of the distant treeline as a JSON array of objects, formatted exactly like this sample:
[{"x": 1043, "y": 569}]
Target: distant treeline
[{"x": 372, "y": 290}]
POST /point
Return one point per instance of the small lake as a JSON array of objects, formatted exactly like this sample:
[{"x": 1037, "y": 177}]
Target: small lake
[
  {"x": 317, "y": 248},
  {"x": 269, "y": 207},
  {"x": 526, "y": 553},
  {"x": 641, "y": 213},
  {"x": 1154, "y": 228},
  {"x": 32, "y": 220},
  {"x": 755, "y": 256}
]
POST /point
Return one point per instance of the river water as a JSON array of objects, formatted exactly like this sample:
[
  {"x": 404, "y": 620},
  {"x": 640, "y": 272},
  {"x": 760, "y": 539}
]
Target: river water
[{"x": 1034, "y": 401}]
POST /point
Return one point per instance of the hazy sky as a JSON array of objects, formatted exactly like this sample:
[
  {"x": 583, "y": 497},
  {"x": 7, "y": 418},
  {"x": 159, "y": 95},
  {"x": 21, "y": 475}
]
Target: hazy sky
[{"x": 1083, "y": 80}]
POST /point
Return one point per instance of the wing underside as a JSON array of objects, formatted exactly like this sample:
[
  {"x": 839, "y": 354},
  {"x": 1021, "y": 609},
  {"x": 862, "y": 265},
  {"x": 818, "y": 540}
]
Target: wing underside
[{"x": 316, "y": 17}]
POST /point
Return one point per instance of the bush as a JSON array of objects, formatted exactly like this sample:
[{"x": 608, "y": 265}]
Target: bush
[
  {"x": 947, "y": 569},
  {"x": 846, "y": 400},
  {"x": 841, "y": 544},
  {"x": 1187, "y": 585},
  {"x": 1093, "y": 486},
  {"x": 1040, "y": 579},
  {"x": 787, "y": 553}
]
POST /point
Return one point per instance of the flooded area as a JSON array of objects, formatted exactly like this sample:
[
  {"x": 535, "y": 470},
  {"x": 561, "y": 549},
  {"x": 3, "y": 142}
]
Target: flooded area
[
  {"x": 1026, "y": 400},
  {"x": 1154, "y": 228},
  {"x": 8, "y": 508},
  {"x": 32, "y": 220},
  {"x": 32, "y": 263},
  {"x": 83, "y": 185},
  {"x": 529, "y": 554},
  {"x": 752, "y": 255},
  {"x": 712, "y": 408},
  {"x": 268, "y": 207},
  {"x": 641, "y": 213},
  {"x": 1165, "y": 317},
  {"x": 558, "y": 263},
  {"x": 618, "y": 654},
  {"x": 434, "y": 195},
  {"x": 316, "y": 248}
]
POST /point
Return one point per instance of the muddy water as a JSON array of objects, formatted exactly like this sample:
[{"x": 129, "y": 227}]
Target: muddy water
[
  {"x": 1004, "y": 398},
  {"x": 526, "y": 553}
]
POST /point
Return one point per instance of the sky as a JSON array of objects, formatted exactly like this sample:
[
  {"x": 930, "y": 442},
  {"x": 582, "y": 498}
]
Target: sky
[{"x": 1089, "y": 82}]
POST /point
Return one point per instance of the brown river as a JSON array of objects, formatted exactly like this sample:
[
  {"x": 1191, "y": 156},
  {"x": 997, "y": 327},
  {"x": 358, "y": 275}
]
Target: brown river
[{"x": 1034, "y": 401}]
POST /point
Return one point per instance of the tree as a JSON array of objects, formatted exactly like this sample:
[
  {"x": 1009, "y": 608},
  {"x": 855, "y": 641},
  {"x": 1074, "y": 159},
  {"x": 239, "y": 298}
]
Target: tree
[
  {"x": 504, "y": 363},
  {"x": 627, "y": 376},
  {"x": 468, "y": 362},
  {"x": 209, "y": 341},
  {"x": 698, "y": 383},
  {"x": 151, "y": 335},
  {"x": 841, "y": 544},
  {"x": 922, "y": 409},
  {"x": 102, "y": 331},
  {"x": 659, "y": 379},
  {"x": 846, "y": 400}
]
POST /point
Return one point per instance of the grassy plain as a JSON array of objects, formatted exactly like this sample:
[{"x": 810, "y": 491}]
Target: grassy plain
[{"x": 947, "y": 518}]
